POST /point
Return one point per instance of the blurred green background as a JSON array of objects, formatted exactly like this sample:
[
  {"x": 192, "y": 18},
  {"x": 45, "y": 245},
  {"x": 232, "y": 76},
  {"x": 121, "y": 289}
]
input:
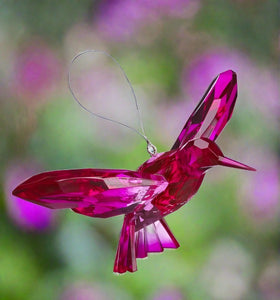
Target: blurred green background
[{"x": 171, "y": 50}]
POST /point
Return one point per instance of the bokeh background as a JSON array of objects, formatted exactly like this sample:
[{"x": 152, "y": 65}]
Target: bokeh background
[{"x": 171, "y": 50}]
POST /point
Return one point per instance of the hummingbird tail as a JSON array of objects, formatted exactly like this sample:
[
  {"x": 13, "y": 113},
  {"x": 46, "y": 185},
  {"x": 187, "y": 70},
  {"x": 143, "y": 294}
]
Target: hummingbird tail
[
  {"x": 125, "y": 257},
  {"x": 154, "y": 237}
]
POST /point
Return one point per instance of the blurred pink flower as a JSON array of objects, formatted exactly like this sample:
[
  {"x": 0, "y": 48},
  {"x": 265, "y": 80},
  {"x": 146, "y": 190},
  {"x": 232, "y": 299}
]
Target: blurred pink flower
[
  {"x": 257, "y": 85},
  {"x": 36, "y": 71},
  {"x": 26, "y": 215},
  {"x": 120, "y": 19}
]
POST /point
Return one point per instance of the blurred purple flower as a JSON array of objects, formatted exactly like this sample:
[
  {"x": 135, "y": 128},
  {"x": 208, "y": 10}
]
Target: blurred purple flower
[
  {"x": 26, "y": 215},
  {"x": 199, "y": 74},
  {"x": 169, "y": 294},
  {"x": 257, "y": 85},
  {"x": 120, "y": 19},
  {"x": 36, "y": 71},
  {"x": 83, "y": 291},
  {"x": 260, "y": 192}
]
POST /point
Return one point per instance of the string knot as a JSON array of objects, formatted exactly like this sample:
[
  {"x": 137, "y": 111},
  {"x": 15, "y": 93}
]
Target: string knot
[{"x": 152, "y": 150}]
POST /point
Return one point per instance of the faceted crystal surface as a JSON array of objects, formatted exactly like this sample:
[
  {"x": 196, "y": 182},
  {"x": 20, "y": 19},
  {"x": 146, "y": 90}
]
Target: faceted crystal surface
[
  {"x": 213, "y": 111},
  {"x": 160, "y": 186},
  {"x": 93, "y": 192}
]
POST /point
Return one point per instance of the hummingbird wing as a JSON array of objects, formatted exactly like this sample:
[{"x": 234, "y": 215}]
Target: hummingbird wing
[
  {"x": 93, "y": 192},
  {"x": 213, "y": 111}
]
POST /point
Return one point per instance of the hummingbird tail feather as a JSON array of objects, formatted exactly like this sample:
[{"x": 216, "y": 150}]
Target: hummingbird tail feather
[
  {"x": 154, "y": 237},
  {"x": 125, "y": 257}
]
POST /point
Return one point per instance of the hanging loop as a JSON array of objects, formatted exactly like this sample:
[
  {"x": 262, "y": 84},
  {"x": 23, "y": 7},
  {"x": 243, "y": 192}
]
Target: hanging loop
[{"x": 152, "y": 150}]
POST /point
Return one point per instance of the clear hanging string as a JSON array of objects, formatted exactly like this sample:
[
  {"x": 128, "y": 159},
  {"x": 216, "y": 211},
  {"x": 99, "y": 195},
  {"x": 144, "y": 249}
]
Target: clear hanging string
[{"x": 152, "y": 150}]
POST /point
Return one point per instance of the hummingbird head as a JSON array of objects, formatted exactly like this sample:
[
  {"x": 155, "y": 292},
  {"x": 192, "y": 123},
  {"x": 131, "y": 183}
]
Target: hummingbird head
[{"x": 204, "y": 153}]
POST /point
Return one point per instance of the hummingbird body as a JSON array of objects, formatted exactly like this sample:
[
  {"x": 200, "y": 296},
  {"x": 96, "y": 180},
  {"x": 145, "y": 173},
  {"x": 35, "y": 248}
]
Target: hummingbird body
[
  {"x": 184, "y": 170},
  {"x": 183, "y": 179},
  {"x": 160, "y": 186}
]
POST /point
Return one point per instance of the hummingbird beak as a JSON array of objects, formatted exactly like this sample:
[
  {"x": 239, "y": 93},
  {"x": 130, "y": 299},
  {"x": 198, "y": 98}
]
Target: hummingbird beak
[{"x": 227, "y": 162}]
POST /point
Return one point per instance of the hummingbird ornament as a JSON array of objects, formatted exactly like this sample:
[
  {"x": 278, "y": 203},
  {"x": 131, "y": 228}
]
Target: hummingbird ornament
[{"x": 160, "y": 186}]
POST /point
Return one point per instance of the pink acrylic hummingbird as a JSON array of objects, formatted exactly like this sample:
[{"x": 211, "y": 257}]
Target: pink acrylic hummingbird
[{"x": 160, "y": 186}]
